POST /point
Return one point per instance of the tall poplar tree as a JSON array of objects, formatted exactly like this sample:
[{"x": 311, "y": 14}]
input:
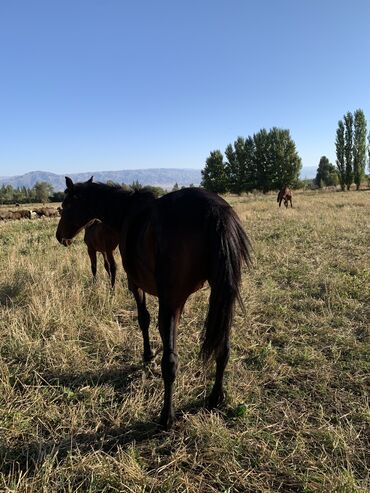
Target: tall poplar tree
[
  {"x": 339, "y": 147},
  {"x": 348, "y": 148},
  {"x": 359, "y": 147},
  {"x": 368, "y": 151}
]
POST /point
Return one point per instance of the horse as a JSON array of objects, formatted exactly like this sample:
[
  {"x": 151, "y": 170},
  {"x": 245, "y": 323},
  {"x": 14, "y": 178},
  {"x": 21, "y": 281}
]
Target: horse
[
  {"x": 101, "y": 238},
  {"x": 286, "y": 195},
  {"x": 170, "y": 246}
]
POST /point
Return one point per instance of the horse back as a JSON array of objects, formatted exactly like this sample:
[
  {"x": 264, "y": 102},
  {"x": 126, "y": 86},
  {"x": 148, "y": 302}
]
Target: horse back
[{"x": 168, "y": 245}]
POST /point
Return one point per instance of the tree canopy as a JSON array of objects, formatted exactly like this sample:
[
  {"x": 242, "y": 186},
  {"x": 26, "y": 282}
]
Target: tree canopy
[
  {"x": 326, "y": 174},
  {"x": 266, "y": 161}
]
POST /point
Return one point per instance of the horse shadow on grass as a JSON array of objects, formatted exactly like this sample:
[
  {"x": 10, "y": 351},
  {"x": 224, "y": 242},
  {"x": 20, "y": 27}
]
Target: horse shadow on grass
[{"x": 28, "y": 457}]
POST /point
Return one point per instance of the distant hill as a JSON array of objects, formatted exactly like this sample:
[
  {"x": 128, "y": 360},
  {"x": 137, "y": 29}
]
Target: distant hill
[{"x": 162, "y": 177}]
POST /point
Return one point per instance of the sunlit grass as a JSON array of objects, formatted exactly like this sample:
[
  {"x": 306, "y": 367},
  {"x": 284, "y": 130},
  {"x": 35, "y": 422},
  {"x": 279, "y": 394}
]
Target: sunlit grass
[{"x": 78, "y": 408}]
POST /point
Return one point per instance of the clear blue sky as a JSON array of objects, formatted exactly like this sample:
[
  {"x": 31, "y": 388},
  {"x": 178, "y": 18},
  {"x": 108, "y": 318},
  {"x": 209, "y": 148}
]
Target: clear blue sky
[{"x": 114, "y": 84}]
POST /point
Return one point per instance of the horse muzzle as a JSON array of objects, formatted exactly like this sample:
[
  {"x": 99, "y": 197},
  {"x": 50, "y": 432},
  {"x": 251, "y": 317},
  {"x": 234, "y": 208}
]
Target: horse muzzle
[
  {"x": 66, "y": 242},
  {"x": 63, "y": 241}
]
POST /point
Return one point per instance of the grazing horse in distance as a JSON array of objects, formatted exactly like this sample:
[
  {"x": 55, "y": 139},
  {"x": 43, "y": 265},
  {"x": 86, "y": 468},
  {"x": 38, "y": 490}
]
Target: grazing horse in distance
[
  {"x": 170, "y": 247},
  {"x": 101, "y": 238},
  {"x": 286, "y": 195}
]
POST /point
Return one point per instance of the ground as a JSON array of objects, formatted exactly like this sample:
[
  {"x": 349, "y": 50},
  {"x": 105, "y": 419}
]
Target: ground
[{"x": 78, "y": 409}]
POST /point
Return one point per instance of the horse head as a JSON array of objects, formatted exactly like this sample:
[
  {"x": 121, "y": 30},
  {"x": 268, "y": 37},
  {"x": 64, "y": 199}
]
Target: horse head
[{"x": 75, "y": 211}]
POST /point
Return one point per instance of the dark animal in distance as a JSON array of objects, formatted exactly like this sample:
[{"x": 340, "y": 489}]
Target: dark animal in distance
[
  {"x": 14, "y": 215},
  {"x": 285, "y": 195},
  {"x": 170, "y": 247},
  {"x": 101, "y": 238},
  {"x": 47, "y": 212}
]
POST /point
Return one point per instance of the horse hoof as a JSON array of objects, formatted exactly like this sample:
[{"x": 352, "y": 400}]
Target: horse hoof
[
  {"x": 148, "y": 357},
  {"x": 166, "y": 421},
  {"x": 215, "y": 400}
]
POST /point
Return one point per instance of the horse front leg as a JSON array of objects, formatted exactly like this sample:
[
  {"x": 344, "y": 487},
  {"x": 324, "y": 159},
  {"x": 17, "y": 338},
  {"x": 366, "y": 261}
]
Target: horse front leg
[
  {"x": 92, "y": 255},
  {"x": 143, "y": 318},
  {"x": 112, "y": 267},
  {"x": 168, "y": 319}
]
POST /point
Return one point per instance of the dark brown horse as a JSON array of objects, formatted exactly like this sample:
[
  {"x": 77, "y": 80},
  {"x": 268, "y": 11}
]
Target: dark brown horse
[
  {"x": 101, "y": 238},
  {"x": 170, "y": 247},
  {"x": 285, "y": 195}
]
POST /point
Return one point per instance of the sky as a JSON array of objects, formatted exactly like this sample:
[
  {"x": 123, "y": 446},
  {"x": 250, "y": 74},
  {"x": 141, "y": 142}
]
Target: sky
[{"x": 88, "y": 85}]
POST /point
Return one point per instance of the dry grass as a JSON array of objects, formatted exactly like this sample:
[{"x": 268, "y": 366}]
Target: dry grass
[{"x": 78, "y": 407}]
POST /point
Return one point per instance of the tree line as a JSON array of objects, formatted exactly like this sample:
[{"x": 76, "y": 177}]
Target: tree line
[
  {"x": 43, "y": 192},
  {"x": 351, "y": 144},
  {"x": 40, "y": 192},
  {"x": 265, "y": 161},
  {"x": 350, "y": 147}
]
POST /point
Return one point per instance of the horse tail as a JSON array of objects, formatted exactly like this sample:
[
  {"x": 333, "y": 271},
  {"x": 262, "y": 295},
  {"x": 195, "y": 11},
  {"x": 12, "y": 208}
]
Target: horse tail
[{"x": 229, "y": 249}]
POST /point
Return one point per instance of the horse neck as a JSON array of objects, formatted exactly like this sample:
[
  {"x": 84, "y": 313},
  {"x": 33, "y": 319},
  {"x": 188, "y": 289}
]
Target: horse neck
[
  {"x": 116, "y": 207},
  {"x": 111, "y": 206}
]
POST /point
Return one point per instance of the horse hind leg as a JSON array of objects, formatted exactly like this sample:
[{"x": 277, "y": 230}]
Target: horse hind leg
[
  {"x": 143, "y": 318},
  {"x": 106, "y": 264},
  {"x": 168, "y": 319},
  {"x": 217, "y": 394}
]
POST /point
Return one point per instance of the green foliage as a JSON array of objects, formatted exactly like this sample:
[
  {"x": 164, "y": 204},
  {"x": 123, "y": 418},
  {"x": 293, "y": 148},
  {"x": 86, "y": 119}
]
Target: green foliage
[
  {"x": 57, "y": 197},
  {"x": 136, "y": 185},
  {"x": 175, "y": 187},
  {"x": 340, "y": 148},
  {"x": 214, "y": 173},
  {"x": 157, "y": 191},
  {"x": 266, "y": 161},
  {"x": 348, "y": 148},
  {"x": 240, "y": 166},
  {"x": 284, "y": 159},
  {"x": 40, "y": 192},
  {"x": 326, "y": 173},
  {"x": 359, "y": 147}
]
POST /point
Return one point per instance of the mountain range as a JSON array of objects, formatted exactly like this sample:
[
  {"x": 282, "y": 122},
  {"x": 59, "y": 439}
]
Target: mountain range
[{"x": 162, "y": 177}]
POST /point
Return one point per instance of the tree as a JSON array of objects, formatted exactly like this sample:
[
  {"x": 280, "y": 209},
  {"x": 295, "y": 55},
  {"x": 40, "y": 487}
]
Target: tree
[
  {"x": 263, "y": 160},
  {"x": 285, "y": 161},
  {"x": 240, "y": 165},
  {"x": 136, "y": 185},
  {"x": 43, "y": 190},
  {"x": 175, "y": 187},
  {"x": 340, "y": 152},
  {"x": 359, "y": 147},
  {"x": 214, "y": 176},
  {"x": 348, "y": 148},
  {"x": 326, "y": 174},
  {"x": 368, "y": 151},
  {"x": 277, "y": 162}
]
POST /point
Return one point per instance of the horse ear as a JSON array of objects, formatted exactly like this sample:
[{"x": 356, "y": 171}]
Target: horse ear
[
  {"x": 69, "y": 183},
  {"x": 90, "y": 180}
]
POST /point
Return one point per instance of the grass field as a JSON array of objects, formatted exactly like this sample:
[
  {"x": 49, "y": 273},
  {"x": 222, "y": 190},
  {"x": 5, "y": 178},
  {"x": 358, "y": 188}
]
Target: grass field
[{"x": 78, "y": 408}]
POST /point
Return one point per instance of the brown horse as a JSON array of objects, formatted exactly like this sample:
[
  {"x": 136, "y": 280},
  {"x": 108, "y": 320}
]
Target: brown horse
[
  {"x": 101, "y": 238},
  {"x": 170, "y": 246},
  {"x": 286, "y": 195}
]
